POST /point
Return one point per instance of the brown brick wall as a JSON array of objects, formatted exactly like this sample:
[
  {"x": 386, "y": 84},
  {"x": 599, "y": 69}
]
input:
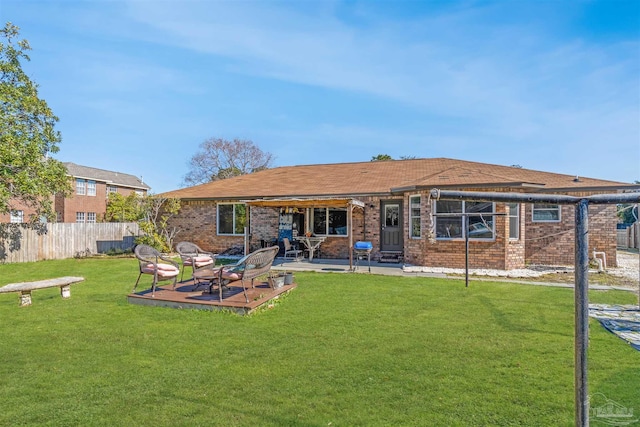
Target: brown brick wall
[
  {"x": 539, "y": 243},
  {"x": 554, "y": 243},
  {"x": 28, "y": 211}
]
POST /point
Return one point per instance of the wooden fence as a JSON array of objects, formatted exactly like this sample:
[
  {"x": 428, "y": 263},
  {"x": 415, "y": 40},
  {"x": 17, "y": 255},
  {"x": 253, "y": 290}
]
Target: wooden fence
[
  {"x": 64, "y": 240},
  {"x": 629, "y": 237}
]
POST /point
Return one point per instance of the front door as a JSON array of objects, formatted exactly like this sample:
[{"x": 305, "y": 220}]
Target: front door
[{"x": 391, "y": 224}]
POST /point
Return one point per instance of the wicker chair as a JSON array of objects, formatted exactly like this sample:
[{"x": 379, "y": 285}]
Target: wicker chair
[
  {"x": 194, "y": 257},
  {"x": 255, "y": 264},
  {"x": 152, "y": 262}
]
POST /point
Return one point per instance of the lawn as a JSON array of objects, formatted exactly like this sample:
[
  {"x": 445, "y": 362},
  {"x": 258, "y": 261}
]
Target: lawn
[{"x": 340, "y": 350}]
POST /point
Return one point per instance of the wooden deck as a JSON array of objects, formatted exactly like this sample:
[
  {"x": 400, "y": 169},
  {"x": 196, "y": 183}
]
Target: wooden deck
[{"x": 188, "y": 296}]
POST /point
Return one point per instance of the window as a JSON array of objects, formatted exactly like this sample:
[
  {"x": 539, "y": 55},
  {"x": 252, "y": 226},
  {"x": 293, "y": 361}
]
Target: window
[
  {"x": 329, "y": 222},
  {"x": 480, "y": 226},
  {"x": 111, "y": 189},
  {"x": 80, "y": 187},
  {"x": 546, "y": 212},
  {"x": 91, "y": 188},
  {"x": 414, "y": 217},
  {"x": 232, "y": 218},
  {"x": 139, "y": 193},
  {"x": 91, "y": 217},
  {"x": 17, "y": 216},
  {"x": 79, "y": 216},
  {"x": 513, "y": 210}
]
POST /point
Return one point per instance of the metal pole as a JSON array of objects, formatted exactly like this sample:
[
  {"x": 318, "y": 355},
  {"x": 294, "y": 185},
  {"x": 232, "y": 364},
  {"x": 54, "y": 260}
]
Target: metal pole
[
  {"x": 581, "y": 294},
  {"x": 466, "y": 251},
  {"x": 350, "y": 231}
]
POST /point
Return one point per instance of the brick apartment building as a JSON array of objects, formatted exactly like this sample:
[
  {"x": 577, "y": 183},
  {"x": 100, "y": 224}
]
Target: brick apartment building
[
  {"x": 388, "y": 204},
  {"x": 88, "y": 203}
]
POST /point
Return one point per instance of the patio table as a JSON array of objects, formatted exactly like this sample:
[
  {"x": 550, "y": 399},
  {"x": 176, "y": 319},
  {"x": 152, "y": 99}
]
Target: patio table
[
  {"x": 312, "y": 243},
  {"x": 209, "y": 275}
]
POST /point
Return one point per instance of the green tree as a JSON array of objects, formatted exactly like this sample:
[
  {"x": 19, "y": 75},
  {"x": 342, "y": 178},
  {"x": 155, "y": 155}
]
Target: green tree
[
  {"x": 124, "y": 208},
  {"x": 157, "y": 211},
  {"x": 381, "y": 157},
  {"x": 27, "y": 135}
]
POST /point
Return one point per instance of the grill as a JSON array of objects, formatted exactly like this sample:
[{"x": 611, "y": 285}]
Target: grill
[{"x": 362, "y": 250}]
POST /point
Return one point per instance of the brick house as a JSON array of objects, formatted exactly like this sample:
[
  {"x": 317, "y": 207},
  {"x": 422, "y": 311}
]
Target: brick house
[
  {"x": 388, "y": 204},
  {"x": 91, "y": 189},
  {"x": 88, "y": 203}
]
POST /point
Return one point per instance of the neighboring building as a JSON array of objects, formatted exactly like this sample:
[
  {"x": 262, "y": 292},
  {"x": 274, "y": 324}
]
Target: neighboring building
[
  {"x": 91, "y": 189},
  {"x": 88, "y": 202},
  {"x": 388, "y": 204}
]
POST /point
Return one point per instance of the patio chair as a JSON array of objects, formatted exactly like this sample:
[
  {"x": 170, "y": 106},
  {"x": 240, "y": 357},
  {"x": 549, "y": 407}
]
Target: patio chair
[
  {"x": 255, "y": 264},
  {"x": 289, "y": 249},
  {"x": 194, "y": 257},
  {"x": 152, "y": 262}
]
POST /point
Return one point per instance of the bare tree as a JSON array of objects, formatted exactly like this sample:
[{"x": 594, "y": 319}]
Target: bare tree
[{"x": 219, "y": 158}]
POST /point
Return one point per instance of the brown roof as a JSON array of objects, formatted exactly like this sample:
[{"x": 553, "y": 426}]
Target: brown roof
[
  {"x": 101, "y": 175},
  {"x": 385, "y": 177}
]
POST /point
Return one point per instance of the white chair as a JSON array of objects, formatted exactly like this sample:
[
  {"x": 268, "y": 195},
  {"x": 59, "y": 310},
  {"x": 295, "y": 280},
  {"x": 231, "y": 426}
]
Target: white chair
[{"x": 289, "y": 249}]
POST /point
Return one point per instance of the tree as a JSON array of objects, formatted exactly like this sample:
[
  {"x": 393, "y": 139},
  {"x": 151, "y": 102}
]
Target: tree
[
  {"x": 381, "y": 157},
  {"x": 219, "y": 158},
  {"x": 155, "y": 222},
  {"x": 27, "y": 136},
  {"x": 124, "y": 208}
]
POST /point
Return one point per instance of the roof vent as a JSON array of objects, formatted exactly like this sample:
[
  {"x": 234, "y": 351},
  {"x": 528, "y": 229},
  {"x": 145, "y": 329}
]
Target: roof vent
[{"x": 576, "y": 179}]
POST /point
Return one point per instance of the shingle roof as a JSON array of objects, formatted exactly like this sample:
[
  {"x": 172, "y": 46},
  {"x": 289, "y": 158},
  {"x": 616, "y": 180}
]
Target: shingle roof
[
  {"x": 110, "y": 177},
  {"x": 384, "y": 177}
]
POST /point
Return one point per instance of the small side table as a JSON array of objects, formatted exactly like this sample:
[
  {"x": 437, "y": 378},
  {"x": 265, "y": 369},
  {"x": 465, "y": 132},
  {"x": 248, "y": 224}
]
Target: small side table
[{"x": 209, "y": 275}]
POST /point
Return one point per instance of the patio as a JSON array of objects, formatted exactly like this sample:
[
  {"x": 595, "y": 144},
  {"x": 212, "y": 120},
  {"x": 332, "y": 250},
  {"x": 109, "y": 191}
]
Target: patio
[{"x": 188, "y": 295}]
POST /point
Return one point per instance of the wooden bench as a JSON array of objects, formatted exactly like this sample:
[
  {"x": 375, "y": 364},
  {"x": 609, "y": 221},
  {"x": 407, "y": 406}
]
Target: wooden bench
[{"x": 25, "y": 288}]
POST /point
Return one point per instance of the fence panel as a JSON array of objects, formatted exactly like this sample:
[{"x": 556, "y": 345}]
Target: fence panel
[
  {"x": 66, "y": 240},
  {"x": 629, "y": 237}
]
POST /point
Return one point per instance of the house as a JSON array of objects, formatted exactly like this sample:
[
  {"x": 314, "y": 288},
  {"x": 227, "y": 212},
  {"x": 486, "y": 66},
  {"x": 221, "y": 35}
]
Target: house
[
  {"x": 88, "y": 203},
  {"x": 91, "y": 189},
  {"x": 388, "y": 203}
]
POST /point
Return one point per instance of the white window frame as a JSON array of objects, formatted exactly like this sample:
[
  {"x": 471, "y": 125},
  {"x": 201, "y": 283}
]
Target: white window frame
[
  {"x": 234, "y": 225},
  {"x": 415, "y": 216},
  {"x": 326, "y": 223},
  {"x": 17, "y": 217},
  {"x": 556, "y": 207},
  {"x": 456, "y": 215},
  {"x": 111, "y": 189},
  {"x": 91, "y": 188},
  {"x": 91, "y": 217},
  {"x": 516, "y": 216},
  {"x": 81, "y": 188},
  {"x": 139, "y": 193},
  {"x": 80, "y": 217}
]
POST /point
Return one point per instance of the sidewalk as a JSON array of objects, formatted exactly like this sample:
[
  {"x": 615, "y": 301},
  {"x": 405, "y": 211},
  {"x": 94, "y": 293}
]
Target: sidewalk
[{"x": 324, "y": 265}]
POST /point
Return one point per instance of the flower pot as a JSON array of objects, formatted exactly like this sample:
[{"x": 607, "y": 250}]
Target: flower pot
[
  {"x": 288, "y": 278},
  {"x": 276, "y": 282}
]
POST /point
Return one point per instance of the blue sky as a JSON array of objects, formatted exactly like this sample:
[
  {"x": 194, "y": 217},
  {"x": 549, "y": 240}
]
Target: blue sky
[{"x": 138, "y": 85}]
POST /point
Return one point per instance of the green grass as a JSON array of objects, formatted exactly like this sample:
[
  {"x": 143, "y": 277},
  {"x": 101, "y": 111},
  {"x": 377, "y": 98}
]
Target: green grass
[{"x": 340, "y": 350}]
